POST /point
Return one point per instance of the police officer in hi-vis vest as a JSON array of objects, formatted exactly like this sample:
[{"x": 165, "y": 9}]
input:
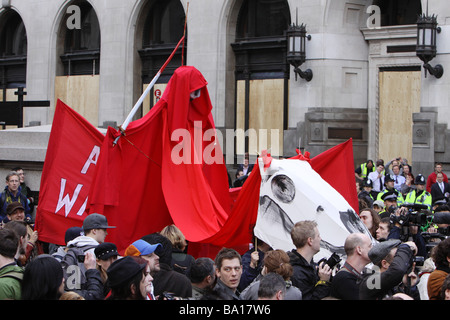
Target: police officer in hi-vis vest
[
  {"x": 420, "y": 195},
  {"x": 389, "y": 184},
  {"x": 364, "y": 169}
]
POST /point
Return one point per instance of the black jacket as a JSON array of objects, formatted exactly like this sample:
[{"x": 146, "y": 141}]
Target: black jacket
[
  {"x": 306, "y": 278},
  {"x": 249, "y": 274},
  {"x": 221, "y": 292},
  {"x": 169, "y": 280},
  {"x": 376, "y": 285}
]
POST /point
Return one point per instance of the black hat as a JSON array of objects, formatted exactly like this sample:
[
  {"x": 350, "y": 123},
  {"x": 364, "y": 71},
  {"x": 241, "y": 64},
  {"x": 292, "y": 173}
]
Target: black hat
[
  {"x": 388, "y": 178},
  {"x": 95, "y": 221},
  {"x": 72, "y": 233},
  {"x": 420, "y": 179},
  {"x": 122, "y": 270},
  {"x": 368, "y": 183},
  {"x": 382, "y": 249},
  {"x": 390, "y": 195},
  {"x": 105, "y": 250},
  {"x": 13, "y": 207}
]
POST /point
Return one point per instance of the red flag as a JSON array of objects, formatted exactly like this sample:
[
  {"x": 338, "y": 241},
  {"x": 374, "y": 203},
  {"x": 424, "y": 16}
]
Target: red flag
[
  {"x": 72, "y": 154},
  {"x": 336, "y": 166}
]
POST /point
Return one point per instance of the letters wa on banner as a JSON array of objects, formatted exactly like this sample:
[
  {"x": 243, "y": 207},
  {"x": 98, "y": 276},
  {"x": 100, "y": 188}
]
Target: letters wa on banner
[{"x": 69, "y": 167}]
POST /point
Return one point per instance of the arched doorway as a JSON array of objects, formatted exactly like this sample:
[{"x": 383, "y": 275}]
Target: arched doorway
[
  {"x": 13, "y": 57},
  {"x": 161, "y": 28}
]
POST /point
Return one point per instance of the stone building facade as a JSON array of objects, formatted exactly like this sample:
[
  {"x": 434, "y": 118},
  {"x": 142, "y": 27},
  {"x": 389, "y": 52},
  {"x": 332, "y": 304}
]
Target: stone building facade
[{"x": 368, "y": 84}]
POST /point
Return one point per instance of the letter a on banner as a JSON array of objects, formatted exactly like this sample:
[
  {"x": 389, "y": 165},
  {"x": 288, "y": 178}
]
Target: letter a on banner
[{"x": 69, "y": 169}]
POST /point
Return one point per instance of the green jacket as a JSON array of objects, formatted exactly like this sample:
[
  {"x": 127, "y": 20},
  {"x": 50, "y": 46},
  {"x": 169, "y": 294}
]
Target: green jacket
[
  {"x": 424, "y": 198},
  {"x": 10, "y": 282}
]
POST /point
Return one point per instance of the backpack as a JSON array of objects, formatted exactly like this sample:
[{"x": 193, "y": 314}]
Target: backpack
[
  {"x": 13, "y": 274},
  {"x": 73, "y": 268}
]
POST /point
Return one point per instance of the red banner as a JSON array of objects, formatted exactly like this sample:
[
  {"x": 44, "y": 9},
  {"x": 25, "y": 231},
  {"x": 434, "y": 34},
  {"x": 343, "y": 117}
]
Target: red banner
[{"x": 69, "y": 167}]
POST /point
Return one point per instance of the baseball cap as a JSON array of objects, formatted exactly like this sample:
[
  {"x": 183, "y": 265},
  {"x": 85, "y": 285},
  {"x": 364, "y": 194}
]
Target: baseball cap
[
  {"x": 141, "y": 248},
  {"x": 72, "y": 233},
  {"x": 95, "y": 221},
  {"x": 379, "y": 203},
  {"x": 13, "y": 207}
]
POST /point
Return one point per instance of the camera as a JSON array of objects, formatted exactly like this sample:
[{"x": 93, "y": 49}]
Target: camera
[
  {"x": 81, "y": 258},
  {"x": 166, "y": 296},
  {"x": 417, "y": 215},
  {"x": 331, "y": 261},
  {"x": 419, "y": 261}
]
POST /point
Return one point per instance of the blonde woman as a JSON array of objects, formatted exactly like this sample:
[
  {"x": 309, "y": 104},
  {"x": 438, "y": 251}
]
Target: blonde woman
[{"x": 181, "y": 261}]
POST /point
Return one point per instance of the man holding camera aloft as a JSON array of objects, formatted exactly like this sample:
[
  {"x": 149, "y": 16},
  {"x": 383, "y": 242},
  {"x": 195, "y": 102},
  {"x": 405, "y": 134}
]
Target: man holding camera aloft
[{"x": 392, "y": 272}]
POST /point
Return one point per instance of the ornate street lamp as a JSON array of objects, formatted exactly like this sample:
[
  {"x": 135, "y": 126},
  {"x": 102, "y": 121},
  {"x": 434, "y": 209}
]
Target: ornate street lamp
[
  {"x": 296, "y": 50},
  {"x": 426, "y": 43}
]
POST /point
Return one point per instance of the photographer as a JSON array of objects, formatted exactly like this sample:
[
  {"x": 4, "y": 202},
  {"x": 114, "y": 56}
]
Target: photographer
[
  {"x": 16, "y": 212},
  {"x": 405, "y": 226},
  {"x": 391, "y": 274},
  {"x": 79, "y": 263}
]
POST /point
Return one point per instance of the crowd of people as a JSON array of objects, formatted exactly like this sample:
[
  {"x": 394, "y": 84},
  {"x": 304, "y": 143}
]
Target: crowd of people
[
  {"x": 398, "y": 207},
  {"x": 158, "y": 266}
]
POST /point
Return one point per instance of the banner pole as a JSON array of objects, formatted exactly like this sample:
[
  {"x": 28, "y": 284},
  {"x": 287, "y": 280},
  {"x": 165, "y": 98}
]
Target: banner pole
[{"x": 133, "y": 111}]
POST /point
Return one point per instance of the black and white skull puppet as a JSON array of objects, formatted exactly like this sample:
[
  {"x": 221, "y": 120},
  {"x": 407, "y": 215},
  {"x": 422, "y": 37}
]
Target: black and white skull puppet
[{"x": 292, "y": 191}]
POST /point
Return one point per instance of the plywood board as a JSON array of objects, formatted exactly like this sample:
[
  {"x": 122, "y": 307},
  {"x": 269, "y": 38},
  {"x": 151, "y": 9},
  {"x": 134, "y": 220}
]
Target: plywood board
[
  {"x": 146, "y": 103},
  {"x": 240, "y": 117},
  {"x": 399, "y": 99},
  {"x": 266, "y": 115},
  {"x": 81, "y": 93}
]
